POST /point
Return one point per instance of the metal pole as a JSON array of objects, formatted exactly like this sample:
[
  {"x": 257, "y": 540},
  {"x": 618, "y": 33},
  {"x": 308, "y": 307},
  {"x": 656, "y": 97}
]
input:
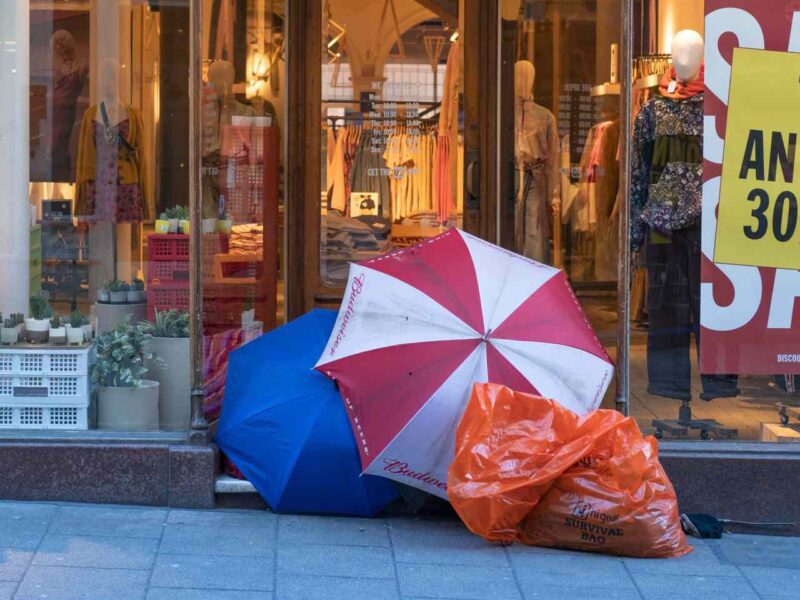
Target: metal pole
[
  {"x": 199, "y": 432},
  {"x": 624, "y": 265}
]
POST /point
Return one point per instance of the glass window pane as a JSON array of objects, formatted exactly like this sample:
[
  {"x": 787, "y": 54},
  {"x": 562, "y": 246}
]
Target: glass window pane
[
  {"x": 243, "y": 111},
  {"x": 560, "y": 128},
  {"x": 106, "y": 108},
  {"x": 392, "y": 150}
]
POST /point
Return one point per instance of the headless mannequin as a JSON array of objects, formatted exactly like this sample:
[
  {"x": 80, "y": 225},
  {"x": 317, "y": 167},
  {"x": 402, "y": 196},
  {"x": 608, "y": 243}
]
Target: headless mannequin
[
  {"x": 110, "y": 239},
  {"x": 666, "y": 197},
  {"x": 536, "y": 153}
]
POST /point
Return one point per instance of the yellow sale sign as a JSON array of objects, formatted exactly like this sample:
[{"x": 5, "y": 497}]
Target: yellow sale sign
[{"x": 757, "y": 223}]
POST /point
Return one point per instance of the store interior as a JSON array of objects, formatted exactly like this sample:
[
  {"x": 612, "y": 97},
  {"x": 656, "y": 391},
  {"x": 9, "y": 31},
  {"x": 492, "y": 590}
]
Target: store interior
[{"x": 109, "y": 168}]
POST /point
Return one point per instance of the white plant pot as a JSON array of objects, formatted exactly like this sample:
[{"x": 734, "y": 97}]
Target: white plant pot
[
  {"x": 209, "y": 225},
  {"x": 172, "y": 372},
  {"x": 74, "y": 334},
  {"x": 21, "y": 329},
  {"x": 9, "y": 335},
  {"x": 37, "y": 330},
  {"x": 135, "y": 296},
  {"x": 58, "y": 335},
  {"x": 173, "y": 225},
  {"x": 118, "y": 297},
  {"x": 103, "y": 296},
  {"x": 87, "y": 331},
  {"x": 183, "y": 226},
  {"x": 128, "y": 408}
]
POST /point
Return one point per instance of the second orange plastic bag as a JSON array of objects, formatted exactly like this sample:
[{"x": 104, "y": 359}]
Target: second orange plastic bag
[{"x": 528, "y": 469}]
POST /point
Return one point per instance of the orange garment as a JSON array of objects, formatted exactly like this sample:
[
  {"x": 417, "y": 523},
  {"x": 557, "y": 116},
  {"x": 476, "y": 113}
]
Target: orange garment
[{"x": 682, "y": 90}]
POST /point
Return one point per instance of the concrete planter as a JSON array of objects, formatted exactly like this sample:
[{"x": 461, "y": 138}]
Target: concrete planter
[
  {"x": 128, "y": 408},
  {"x": 9, "y": 335},
  {"x": 58, "y": 336},
  {"x": 37, "y": 330},
  {"x": 135, "y": 296},
  {"x": 74, "y": 334},
  {"x": 119, "y": 297},
  {"x": 172, "y": 372}
]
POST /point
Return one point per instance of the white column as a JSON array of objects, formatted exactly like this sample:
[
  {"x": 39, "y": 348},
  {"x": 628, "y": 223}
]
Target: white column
[{"x": 14, "y": 156}]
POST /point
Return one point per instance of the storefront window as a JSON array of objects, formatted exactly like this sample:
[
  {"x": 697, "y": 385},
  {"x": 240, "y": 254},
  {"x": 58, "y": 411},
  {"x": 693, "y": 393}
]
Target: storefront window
[
  {"x": 99, "y": 111},
  {"x": 560, "y": 130},
  {"x": 392, "y": 149},
  {"x": 713, "y": 333},
  {"x": 243, "y": 111}
]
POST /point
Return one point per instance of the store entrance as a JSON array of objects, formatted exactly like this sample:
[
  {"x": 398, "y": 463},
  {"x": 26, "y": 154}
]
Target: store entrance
[{"x": 392, "y": 139}]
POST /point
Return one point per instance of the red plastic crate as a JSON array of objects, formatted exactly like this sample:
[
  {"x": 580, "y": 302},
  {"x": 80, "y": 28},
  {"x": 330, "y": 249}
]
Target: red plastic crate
[
  {"x": 167, "y": 271},
  {"x": 167, "y": 295},
  {"x": 168, "y": 246}
]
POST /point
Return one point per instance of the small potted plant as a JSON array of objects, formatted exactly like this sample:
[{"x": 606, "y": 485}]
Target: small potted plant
[
  {"x": 37, "y": 327},
  {"x": 103, "y": 294},
  {"x": 169, "y": 343},
  {"x": 19, "y": 323},
  {"x": 58, "y": 331},
  {"x": 75, "y": 328},
  {"x": 136, "y": 293},
  {"x": 9, "y": 333},
  {"x": 125, "y": 400},
  {"x": 118, "y": 291},
  {"x": 174, "y": 216}
]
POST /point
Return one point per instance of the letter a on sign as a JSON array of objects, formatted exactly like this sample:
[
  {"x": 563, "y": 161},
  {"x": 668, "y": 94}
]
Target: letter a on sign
[{"x": 758, "y": 222}]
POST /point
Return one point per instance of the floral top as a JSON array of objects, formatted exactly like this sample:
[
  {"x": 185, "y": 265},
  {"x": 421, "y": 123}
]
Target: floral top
[{"x": 667, "y": 167}]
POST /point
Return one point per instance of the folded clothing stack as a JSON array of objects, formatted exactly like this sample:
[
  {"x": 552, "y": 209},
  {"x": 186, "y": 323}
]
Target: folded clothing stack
[
  {"x": 247, "y": 238},
  {"x": 345, "y": 240},
  {"x": 428, "y": 218}
]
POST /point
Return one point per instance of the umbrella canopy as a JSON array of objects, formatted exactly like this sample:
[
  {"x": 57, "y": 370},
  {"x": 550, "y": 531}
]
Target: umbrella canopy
[
  {"x": 285, "y": 427},
  {"x": 419, "y": 326}
]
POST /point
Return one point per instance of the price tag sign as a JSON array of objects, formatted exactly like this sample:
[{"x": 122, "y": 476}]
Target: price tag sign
[{"x": 758, "y": 222}]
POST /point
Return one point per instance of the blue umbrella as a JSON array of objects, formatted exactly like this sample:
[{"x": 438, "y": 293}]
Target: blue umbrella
[{"x": 285, "y": 427}]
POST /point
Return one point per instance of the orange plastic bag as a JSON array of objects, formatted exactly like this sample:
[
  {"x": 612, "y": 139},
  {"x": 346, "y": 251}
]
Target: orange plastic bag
[{"x": 528, "y": 469}]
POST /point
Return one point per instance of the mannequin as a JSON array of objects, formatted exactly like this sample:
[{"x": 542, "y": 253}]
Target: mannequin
[
  {"x": 536, "y": 156},
  {"x": 69, "y": 78},
  {"x": 111, "y": 177},
  {"x": 219, "y": 108},
  {"x": 111, "y": 170},
  {"x": 666, "y": 199}
]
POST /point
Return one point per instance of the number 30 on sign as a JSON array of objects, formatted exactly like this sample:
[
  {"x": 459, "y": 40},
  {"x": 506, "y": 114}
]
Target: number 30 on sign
[{"x": 759, "y": 217}]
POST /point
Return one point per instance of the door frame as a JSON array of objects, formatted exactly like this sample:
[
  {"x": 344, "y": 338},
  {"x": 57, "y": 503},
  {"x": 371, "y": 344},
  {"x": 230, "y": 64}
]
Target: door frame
[{"x": 304, "y": 286}]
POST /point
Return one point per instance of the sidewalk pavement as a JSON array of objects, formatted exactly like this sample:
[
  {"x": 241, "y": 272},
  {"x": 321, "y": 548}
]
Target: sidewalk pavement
[{"x": 89, "y": 552}]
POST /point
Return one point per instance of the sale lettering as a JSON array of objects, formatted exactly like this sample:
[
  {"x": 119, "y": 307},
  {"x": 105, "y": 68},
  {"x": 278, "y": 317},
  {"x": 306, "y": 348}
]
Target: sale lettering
[
  {"x": 782, "y": 213},
  {"x": 750, "y": 282}
]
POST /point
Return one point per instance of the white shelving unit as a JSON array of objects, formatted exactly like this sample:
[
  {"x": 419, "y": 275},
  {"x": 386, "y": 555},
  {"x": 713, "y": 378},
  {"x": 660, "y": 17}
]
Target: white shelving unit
[{"x": 45, "y": 387}]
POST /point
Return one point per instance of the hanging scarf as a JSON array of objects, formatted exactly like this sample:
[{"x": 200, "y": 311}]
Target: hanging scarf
[{"x": 682, "y": 90}]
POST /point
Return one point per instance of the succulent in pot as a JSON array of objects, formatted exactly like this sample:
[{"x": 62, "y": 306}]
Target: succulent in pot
[
  {"x": 19, "y": 322},
  {"x": 118, "y": 290},
  {"x": 174, "y": 215},
  {"x": 136, "y": 293},
  {"x": 126, "y": 400},
  {"x": 103, "y": 294},
  {"x": 8, "y": 332},
  {"x": 37, "y": 327},
  {"x": 58, "y": 331},
  {"x": 75, "y": 329}
]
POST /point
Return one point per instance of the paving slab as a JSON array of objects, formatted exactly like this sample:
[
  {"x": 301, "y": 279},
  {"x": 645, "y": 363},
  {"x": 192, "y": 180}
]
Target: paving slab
[
  {"x": 458, "y": 582},
  {"x": 218, "y": 541},
  {"x": 70, "y": 583},
  {"x": 243, "y": 573},
  {"x": 305, "y": 587},
  {"x": 109, "y": 521},
  {"x": 295, "y": 530},
  {"x": 336, "y": 561},
  {"x": 14, "y": 563},
  {"x": 96, "y": 551}
]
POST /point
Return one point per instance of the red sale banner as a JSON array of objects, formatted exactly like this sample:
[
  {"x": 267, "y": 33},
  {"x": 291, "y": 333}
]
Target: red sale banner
[{"x": 749, "y": 315}]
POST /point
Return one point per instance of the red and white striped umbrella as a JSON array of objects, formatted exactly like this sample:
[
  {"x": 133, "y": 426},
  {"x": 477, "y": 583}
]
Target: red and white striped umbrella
[{"x": 419, "y": 326}]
